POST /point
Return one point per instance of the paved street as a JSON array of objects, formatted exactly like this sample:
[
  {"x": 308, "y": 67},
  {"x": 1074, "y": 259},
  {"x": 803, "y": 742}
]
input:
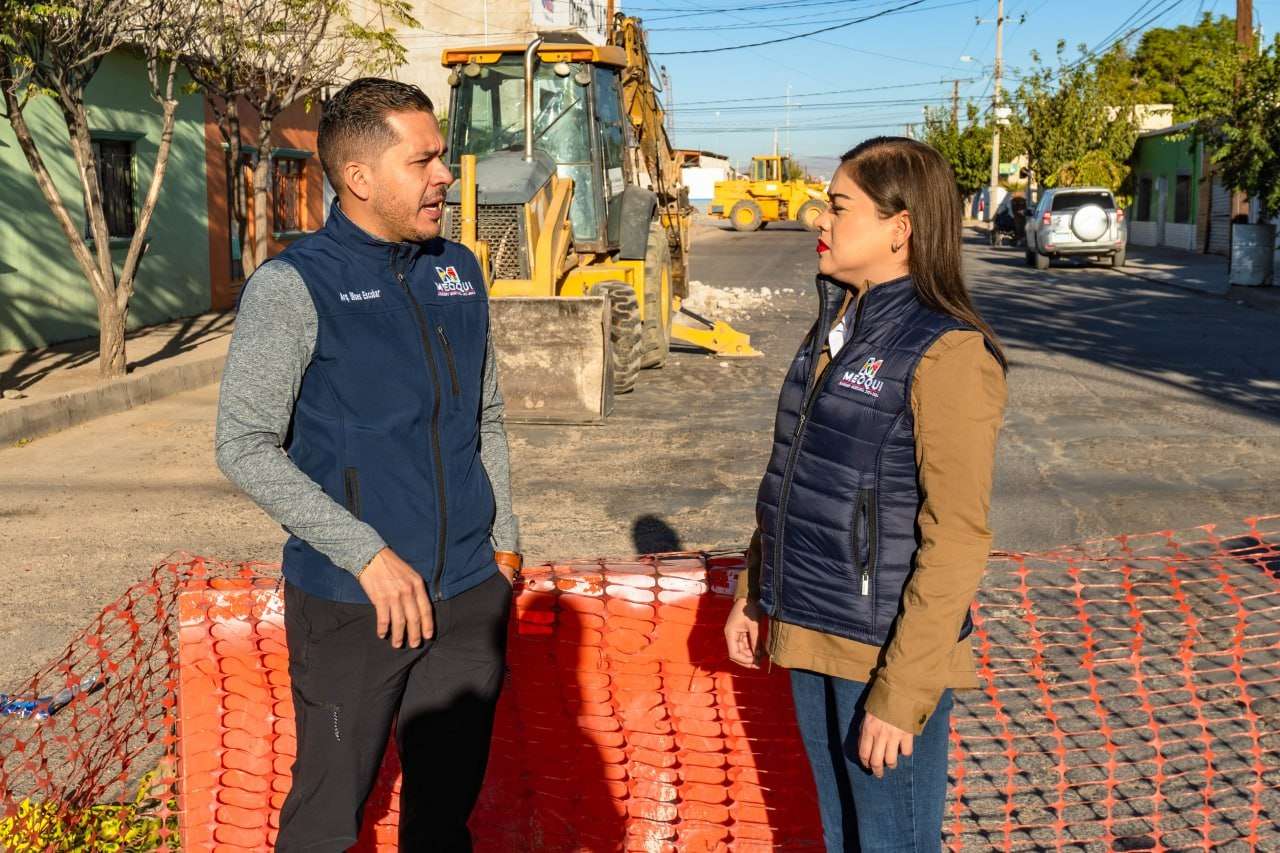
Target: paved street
[{"x": 1133, "y": 407}]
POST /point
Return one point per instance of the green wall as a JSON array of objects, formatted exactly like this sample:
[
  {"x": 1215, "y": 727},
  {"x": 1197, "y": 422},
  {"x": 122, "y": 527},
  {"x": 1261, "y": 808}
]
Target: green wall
[
  {"x": 1167, "y": 155},
  {"x": 44, "y": 297}
]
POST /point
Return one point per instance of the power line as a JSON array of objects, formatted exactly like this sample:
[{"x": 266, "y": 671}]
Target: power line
[
  {"x": 828, "y": 93},
  {"x": 832, "y": 28},
  {"x": 830, "y": 106},
  {"x": 792, "y": 23}
]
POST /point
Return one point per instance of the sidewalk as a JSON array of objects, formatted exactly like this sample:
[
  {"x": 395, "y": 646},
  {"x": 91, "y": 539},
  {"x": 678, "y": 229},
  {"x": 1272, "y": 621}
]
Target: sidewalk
[
  {"x": 60, "y": 387},
  {"x": 1192, "y": 271}
]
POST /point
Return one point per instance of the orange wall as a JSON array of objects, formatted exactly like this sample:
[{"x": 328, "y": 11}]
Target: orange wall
[{"x": 295, "y": 128}]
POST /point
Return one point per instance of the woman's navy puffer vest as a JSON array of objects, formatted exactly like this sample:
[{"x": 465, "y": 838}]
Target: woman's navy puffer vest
[{"x": 837, "y": 508}]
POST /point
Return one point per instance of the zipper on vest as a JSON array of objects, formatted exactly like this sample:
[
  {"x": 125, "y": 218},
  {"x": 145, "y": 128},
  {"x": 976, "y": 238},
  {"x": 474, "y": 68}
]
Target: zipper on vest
[
  {"x": 864, "y": 520},
  {"x": 351, "y": 479},
  {"x": 429, "y": 358},
  {"x": 448, "y": 357},
  {"x": 788, "y": 470}
]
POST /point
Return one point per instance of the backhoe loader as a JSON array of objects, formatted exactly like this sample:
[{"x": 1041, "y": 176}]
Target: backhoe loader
[{"x": 570, "y": 196}]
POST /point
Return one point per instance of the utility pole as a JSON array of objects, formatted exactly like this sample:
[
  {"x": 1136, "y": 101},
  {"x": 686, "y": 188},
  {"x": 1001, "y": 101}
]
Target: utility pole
[
  {"x": 671, "y": 101},
  {"x": 992, "y": 200},
  {"x": 788, "y": 119},
  {"x": 955, "y": 103},
  {"x": 1244, "y": 25}
]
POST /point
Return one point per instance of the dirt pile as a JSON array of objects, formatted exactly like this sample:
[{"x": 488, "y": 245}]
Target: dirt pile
[{"x": 729, "y": 303}]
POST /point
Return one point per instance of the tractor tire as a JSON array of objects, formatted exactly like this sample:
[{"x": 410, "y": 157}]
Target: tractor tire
[
  {"x": 746, "y": 216},
  {"x": 809, "y": 213},
  {"x": 1041, "y": 261},
  {"x": 656, "y": 329},
  {"x": 624, "y": 333}
]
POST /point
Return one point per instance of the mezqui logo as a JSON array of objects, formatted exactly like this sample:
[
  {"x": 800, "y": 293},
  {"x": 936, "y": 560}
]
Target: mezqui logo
[
  {"x": 864, "y": 379},
  {"x": 451, "y": 284},
  {"x": 360, "y": 295}
]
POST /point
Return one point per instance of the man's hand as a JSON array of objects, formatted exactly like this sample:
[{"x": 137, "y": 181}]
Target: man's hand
[
  {"x": 880, "y": 743},
  {"x": 400, "y": 598},
  {"x": 742, "y": 633}
]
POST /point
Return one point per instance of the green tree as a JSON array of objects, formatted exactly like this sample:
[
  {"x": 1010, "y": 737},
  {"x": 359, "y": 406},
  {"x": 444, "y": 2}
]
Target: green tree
[
  {"x": 1075, "y": 124},
  {"x": 1193, "y": 67},
  {"x": 1250, "y": 137},
  {"x": 967, "y": 150},
  {"x": 266, "y": 56},
  {"x": 53, "y": 50}
]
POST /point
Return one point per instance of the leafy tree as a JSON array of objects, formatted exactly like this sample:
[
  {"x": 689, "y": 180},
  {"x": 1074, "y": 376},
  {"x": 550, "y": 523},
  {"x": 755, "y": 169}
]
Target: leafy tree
[
  {"x": 1075, "y": 124},
  {"x": 53, "y": 50},
  {"x": 1250, "y": 138},
  {"x": 967, "y": 150},
  {"x": 264, "y": 56},
  {"x": 1193, "y": 67}
]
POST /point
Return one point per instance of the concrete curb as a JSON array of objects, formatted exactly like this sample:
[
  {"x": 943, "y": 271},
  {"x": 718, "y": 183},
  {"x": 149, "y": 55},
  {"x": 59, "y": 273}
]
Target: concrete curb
[
  {"x": 31, "y": 419},
  {"x": 1192, "y": 284}
]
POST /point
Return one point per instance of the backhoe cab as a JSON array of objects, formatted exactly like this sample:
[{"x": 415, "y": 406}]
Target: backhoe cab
[{"x": 569, "y": 196}]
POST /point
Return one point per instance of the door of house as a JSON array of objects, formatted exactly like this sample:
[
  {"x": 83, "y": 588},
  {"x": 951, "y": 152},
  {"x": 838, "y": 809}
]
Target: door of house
[
  {"x": 1218, "y": 241},
  {"x": 1162, "y": 207}
]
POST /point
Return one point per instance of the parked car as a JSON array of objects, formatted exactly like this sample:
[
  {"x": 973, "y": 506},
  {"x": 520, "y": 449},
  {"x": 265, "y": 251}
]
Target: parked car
[{"x": 1076, "y": 221}]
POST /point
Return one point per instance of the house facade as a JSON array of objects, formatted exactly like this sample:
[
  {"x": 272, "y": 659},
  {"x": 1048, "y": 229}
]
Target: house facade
[
  {"x": 44, "y": 296},
  {"x": 295, "y": 194},
  {"x": 1180, "y": 198}
]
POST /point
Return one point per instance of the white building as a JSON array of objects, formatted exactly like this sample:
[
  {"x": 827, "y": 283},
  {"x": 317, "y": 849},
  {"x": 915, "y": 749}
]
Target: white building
[
  {"x": 700, "y": 170},
  {"x": 464, "y": 23}
]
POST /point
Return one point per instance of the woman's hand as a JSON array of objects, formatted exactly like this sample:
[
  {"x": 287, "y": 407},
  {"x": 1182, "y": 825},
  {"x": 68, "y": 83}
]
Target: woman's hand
[
  {"x": 880, "y": 743},
  {"x": 742, "y": 633}
]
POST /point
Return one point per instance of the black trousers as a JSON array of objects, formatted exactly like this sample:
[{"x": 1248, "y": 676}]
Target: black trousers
[{"x": 349, "y": 686}]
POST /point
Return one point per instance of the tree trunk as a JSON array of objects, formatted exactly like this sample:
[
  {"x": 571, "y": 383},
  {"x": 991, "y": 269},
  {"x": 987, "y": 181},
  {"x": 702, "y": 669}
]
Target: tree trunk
[
  {"x": 236, "y": 190},
  {"x": 262, "y": 194},
  {"x": 111, "y": 350}
]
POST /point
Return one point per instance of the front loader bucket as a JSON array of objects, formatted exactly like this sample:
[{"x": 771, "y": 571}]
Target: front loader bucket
[{"x": 553, "y": 358}]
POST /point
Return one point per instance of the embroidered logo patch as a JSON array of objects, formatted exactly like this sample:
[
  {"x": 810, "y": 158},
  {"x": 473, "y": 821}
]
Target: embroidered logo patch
[
  {"x": 864, "y": 378},
  {"x": 451, "y": 284}
]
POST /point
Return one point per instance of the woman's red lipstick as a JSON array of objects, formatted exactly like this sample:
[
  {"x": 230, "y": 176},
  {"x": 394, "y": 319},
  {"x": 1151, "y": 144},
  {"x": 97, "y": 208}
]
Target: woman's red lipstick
[{"x": 823, "y": 247}]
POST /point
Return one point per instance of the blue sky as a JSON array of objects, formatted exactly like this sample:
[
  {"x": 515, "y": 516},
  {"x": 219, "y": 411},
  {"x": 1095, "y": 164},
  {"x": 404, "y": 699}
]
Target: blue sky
[{"x": 883, "y": 69}]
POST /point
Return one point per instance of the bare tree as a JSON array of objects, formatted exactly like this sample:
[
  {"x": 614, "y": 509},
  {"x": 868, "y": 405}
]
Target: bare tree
[
  {"x": 268, "y": 55},
  {"x": 54, "y": 49}
]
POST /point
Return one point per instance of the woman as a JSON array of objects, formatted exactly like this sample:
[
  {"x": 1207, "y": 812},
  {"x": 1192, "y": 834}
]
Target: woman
[{"x": 872, "y": 516}]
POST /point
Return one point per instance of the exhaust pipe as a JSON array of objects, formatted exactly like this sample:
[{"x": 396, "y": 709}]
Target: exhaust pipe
[{"x": 530, "y": 54}]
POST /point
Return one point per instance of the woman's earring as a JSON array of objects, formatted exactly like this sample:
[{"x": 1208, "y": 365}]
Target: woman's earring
[{"x": 895, "y": 247}]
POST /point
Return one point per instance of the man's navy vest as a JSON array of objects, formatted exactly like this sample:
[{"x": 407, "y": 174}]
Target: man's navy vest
[
  {"x": 387, "y": 419},
  {"x": 838, "y": 504}
]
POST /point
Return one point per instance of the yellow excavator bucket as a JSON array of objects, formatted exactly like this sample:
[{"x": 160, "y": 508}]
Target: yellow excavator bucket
[{"x": 715, "y": 335}]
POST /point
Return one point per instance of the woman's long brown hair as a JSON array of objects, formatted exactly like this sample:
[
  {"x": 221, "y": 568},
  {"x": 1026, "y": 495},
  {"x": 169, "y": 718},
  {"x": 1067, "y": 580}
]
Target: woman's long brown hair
[{"x": 903, "y": 174}]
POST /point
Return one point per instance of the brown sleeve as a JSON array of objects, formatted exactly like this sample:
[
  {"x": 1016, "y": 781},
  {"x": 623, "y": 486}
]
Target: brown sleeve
[
  {"x": 958, "y": 400},
  {"x": 749, "y": 581}
]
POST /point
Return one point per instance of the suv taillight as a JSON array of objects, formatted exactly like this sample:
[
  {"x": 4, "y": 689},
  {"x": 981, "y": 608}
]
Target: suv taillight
[{"x": 1047, "y": 219}]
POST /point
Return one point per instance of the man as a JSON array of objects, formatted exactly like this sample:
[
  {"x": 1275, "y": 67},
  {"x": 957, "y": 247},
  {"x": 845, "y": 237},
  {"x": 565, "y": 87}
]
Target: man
[{"x": 360, "y": 409}]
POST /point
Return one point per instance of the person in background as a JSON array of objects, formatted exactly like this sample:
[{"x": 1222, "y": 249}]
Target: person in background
[{"x": 872, "y": 531}]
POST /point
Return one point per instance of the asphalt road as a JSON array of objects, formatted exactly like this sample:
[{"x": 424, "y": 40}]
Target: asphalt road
[{"x": 1133, "y": 407}]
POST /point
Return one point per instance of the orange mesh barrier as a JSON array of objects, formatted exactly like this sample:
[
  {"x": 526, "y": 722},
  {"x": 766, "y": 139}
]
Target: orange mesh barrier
[{"x": 1131, "y": 701}]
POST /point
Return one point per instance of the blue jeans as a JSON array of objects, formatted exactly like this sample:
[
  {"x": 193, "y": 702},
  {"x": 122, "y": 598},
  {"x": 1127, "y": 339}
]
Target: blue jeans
[{"x": 901, "y": 811}]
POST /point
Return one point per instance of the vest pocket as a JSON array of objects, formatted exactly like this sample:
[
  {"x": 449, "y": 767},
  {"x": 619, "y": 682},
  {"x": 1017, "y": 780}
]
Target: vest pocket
[
  {"x": 351, "y": 482},
  {"x": 864, "y": 539},
  {"x": 448, "y": 357}
]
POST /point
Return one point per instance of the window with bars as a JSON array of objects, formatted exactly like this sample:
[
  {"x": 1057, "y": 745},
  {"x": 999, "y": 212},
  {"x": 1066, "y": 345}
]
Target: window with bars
[
  {"x": 115, "y": 182},
  {"x": 287, "y": 179}
]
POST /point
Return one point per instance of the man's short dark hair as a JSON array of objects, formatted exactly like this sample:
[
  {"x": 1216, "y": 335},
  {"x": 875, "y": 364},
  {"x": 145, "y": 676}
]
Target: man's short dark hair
[{"x": 353, "y": 125}]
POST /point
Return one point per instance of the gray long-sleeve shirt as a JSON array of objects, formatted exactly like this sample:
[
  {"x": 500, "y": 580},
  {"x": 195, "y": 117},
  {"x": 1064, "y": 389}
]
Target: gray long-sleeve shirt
[{"x": 273, "y": 343}]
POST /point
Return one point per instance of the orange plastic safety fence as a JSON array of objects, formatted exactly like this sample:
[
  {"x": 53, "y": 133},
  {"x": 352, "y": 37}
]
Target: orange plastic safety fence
[{"x": 1131, "y": 701}]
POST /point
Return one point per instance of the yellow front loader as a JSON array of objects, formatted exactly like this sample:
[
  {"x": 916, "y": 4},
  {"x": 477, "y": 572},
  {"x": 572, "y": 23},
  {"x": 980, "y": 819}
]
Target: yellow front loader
[
  {"x": 770, "y": 194},
  {"x": 570, "y": 195}
]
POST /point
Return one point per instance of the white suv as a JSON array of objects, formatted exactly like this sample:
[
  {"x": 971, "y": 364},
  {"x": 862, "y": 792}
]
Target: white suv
[{"x": 1076, "y": 221}]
